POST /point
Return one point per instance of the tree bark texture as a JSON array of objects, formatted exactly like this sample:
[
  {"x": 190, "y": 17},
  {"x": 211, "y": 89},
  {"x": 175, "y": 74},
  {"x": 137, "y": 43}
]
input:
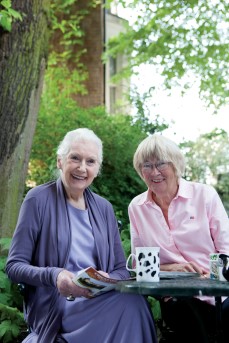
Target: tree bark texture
[{"x": 23, "y": 57}]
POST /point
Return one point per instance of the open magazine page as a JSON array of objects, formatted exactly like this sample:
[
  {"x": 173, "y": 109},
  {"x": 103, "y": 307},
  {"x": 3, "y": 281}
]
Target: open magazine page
[{"x": 97, "y": 283}]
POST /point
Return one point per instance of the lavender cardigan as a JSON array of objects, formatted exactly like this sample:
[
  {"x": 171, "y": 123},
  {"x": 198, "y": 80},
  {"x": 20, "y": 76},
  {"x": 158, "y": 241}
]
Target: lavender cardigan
[{"x": 40, "y": 249}]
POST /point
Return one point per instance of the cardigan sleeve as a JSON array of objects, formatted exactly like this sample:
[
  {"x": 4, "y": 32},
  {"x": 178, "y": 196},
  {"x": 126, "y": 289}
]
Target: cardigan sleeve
[{"x": 21, "y": 264}]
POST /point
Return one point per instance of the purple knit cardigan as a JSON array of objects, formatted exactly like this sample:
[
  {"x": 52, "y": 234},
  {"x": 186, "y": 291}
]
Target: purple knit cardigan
[{"x": 40, "y": 249}]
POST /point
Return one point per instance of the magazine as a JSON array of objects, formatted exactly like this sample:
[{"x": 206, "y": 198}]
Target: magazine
[{"x": 97, "y": 283}]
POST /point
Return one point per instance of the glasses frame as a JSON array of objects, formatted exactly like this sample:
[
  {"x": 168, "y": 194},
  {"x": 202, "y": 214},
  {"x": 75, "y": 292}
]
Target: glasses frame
[{"x": 160, "y": 166}]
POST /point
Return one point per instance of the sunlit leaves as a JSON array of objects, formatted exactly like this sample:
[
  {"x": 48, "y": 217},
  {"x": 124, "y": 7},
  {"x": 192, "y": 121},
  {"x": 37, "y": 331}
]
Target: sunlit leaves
[
  {"x": 207, "y": 157},
  {"x": 181, "y": 36}
]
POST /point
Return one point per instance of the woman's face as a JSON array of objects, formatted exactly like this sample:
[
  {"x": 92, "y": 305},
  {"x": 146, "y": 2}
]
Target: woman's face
[
  {"x": 161, "y": 179},
  {"x": 80, "y": 167}
]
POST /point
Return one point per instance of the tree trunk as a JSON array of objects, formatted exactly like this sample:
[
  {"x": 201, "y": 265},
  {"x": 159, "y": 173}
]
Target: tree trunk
[{"x": 23, "y": 57}]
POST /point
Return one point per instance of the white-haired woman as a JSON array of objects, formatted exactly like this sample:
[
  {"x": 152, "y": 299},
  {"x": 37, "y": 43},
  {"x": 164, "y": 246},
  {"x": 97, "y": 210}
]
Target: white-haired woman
[
  {"x": 187, "y": 220},
  {"x": 62, "y": 228}
]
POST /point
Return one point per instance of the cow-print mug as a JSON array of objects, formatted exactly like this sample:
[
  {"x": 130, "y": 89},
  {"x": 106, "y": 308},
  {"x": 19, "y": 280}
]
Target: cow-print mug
[{"x": 147, "y": 263}]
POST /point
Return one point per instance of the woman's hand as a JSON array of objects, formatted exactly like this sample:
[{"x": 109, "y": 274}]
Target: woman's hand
[
  {"x": 67, "y": 287},
  {"x": 183, "y": 267}
]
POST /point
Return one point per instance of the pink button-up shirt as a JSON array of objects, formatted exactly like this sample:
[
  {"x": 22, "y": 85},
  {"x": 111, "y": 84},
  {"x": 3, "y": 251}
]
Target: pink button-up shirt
[{"x": 198, "y": 225}]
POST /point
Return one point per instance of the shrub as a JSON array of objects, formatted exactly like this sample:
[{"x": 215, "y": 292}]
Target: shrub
[{"x": 12, "y": 323}]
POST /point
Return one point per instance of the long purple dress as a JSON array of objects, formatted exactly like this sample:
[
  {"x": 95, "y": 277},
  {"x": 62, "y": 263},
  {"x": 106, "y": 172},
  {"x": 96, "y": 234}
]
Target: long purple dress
[
  {"x": 112, "y": 317},
  {"x": 45, "y": 242}
]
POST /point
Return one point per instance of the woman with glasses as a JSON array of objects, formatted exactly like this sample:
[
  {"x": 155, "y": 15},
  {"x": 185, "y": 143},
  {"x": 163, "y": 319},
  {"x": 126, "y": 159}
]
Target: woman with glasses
[
  {"x": 64, "y": 227},
  {"x": 187, "y": 220}
]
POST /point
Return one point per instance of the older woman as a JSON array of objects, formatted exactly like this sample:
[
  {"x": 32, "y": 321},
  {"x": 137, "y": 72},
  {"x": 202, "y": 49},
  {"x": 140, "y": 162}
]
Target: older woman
[
  {"x": 62, "y": 228},
  {"x": 187, "y": 220}
]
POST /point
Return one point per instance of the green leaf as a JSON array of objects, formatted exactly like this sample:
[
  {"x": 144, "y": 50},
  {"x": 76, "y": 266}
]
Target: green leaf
[
  {"x": 8, "y": 332},
  {"x": 15, "y": 14},
  {"x": 6, "y": 3},
  {"x": 5, "y": 326},
  {"x": 5, "y": 22}
]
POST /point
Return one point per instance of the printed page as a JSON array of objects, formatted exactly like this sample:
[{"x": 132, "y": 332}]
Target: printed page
[{"x": 93, "y": 280}]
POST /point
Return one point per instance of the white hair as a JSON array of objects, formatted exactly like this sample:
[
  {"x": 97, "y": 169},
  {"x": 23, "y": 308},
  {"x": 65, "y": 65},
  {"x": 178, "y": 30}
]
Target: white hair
[{"x": 78, "y": 135}]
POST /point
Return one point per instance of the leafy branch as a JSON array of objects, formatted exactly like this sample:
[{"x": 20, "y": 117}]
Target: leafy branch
[{"x": 8, "y": 14}]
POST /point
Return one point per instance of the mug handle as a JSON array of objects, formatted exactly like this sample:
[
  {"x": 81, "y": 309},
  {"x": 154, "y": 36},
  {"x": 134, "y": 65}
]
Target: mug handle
[{"x": 127, "y": 262}]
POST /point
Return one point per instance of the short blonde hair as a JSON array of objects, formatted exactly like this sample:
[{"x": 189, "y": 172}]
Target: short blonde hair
[{"x": 162, "y": 149}]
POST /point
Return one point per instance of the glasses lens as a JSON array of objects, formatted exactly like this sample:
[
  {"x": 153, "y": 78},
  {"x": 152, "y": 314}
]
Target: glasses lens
[
  {"x": 147, "y": 166},
  {"x": 161, "y": 165}
]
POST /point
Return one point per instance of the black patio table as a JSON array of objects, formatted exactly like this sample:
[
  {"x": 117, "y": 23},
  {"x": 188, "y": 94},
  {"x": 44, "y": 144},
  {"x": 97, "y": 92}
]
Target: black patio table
[{"x": 181, "y": 287}]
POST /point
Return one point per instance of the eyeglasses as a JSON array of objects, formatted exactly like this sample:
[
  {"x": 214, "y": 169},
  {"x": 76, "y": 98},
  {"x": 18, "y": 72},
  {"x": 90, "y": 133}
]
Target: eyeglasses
[
  {"x": 147, "y": 166},
  {"x": 90, "y": 162}
]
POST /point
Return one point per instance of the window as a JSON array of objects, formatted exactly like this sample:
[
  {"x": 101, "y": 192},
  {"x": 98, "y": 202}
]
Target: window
[{"x": 113, "y": 66}]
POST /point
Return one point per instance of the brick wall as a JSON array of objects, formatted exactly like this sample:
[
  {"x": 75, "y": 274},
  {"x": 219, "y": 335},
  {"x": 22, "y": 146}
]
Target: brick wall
[{"x": 93, "y": 27}]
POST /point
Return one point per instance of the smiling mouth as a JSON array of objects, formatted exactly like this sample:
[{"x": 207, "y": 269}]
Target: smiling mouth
[
  {"x": 77, "y": 177},
  {"x": 157, "y": 181}
]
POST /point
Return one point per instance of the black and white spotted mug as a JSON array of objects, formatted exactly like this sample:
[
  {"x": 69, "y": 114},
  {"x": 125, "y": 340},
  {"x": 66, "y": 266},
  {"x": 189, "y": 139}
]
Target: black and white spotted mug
[{"x": 147, "y": 264}]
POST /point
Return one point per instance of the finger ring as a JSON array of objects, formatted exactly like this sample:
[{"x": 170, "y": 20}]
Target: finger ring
[{"x": 70, "y": 298}]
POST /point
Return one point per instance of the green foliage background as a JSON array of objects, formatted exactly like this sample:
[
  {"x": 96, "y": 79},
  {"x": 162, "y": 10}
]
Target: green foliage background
[
  {"x": 153, "y": 39},
  {"x": 12, "y": 322},
  {"x": 120, "y": 134}
]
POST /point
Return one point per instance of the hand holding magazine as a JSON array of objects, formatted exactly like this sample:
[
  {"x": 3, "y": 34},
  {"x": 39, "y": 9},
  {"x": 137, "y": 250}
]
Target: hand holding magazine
[{"x": 97, "y": 283}]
